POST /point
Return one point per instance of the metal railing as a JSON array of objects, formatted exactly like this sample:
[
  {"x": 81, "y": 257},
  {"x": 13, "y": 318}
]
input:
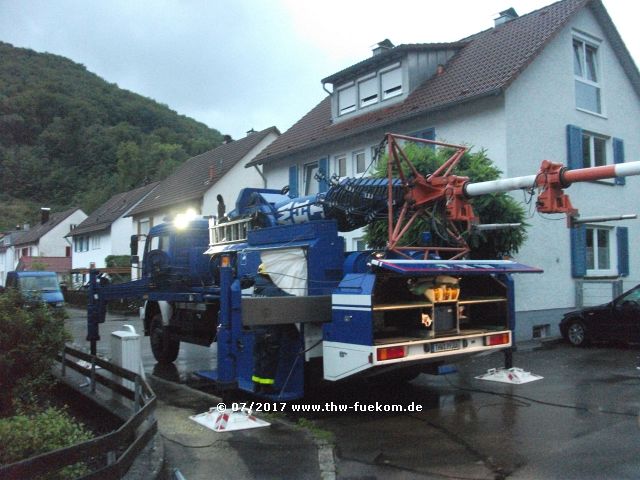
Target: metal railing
[{"x": 114, "y": 452}]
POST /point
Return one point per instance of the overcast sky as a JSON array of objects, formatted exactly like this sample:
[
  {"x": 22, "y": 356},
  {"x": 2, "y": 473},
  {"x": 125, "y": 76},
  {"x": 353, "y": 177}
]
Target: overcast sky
[{"x": 242, "y": 64}]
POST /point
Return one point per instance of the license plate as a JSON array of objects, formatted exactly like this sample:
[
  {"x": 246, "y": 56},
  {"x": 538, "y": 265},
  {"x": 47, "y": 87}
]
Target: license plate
[{"x": 445, "y": 346}]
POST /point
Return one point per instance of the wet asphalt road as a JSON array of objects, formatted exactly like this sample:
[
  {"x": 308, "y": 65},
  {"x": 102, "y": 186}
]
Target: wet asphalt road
[{"x": 579, "y": 422}]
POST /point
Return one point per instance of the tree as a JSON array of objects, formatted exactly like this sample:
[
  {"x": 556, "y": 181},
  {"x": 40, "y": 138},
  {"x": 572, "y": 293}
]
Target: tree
[{"x": 496, "y": 208}]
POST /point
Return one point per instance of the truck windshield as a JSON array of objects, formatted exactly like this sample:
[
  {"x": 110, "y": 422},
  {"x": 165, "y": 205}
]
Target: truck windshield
[{"x": 39, "y": 284}]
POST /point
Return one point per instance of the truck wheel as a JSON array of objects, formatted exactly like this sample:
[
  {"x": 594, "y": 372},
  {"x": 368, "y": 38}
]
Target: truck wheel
[
  {"x": 577, "y": 334},
  {"x": 164, "y": 348}
]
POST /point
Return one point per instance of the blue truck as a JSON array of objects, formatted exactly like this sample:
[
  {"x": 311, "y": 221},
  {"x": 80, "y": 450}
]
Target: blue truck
[
  {"x": 393, "y": 312},
  {"x": 37, "y": 286}
]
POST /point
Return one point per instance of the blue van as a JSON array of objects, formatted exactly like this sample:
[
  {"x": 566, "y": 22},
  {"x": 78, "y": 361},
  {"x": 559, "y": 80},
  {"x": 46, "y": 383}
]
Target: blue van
[{"x": 41, "y": 285}]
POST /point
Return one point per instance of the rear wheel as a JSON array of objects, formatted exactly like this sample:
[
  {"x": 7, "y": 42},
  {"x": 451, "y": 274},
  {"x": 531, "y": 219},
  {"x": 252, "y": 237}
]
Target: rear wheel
[
  {"x": 577, "y": 333},
  {"x": 164, "y": 348}
]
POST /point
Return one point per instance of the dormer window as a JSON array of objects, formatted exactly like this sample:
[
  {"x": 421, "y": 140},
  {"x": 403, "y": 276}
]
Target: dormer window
[
  {"x": 368, "y": 91},
  {"x": 347, "y": 100},
  {"x": 391, "y": 83}
]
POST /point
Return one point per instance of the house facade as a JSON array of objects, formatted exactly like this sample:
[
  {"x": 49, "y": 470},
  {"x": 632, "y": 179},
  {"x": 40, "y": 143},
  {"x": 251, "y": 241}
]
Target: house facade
[
  {"x": 107, "y": 231},
  {"x": 555, "y": 84},
  {"x": 46, "y": 239}
]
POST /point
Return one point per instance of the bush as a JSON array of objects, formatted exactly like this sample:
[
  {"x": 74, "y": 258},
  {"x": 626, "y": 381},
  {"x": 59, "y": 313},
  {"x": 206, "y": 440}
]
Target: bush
[
  {"x": 24, "y": 436},
  {"x": 30, "y": 338}
]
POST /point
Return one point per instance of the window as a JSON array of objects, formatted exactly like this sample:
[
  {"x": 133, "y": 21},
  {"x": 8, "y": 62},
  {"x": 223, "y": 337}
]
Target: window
[
  {"x": 144, "y": 225},
  {"x": 594, "y": 150},
  {"x": 359, "y": 244},
  {"x": 599, "y": 251},
  {"x": 391, "y": 81},
  {"x": 310, "y": 184},
  {"x": 95, "y": 242},
  {"x": 359, "y": 163},
  {"x": 160, "y": 242},
  {"x": 341, "y": 166},
  {"x": 587, "y": 75},
  {"x": 368, "y": 92},
  {"x": 347, "y": 100}
]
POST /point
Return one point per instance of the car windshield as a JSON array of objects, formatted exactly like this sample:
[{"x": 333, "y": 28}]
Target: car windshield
[
  {"x": 39, "y": 284},
  {"x": 632, "y": 296}
]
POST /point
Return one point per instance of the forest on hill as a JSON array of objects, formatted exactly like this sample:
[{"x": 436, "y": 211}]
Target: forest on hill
[{"x": 69, "y": 138}]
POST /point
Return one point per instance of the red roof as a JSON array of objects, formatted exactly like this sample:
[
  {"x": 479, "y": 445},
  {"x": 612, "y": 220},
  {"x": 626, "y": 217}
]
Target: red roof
[
  {"x": 486, "y": 64},
  {"x": 49, "y": 264}
]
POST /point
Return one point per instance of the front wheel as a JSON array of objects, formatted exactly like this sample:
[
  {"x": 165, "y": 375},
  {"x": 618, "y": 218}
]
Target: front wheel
[
  {"x": 164, "y": 348},
  {"x": 577, "y": 333}
]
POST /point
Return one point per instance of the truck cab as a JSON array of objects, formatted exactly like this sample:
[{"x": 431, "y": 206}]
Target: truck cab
[{"x": 37, "y": 286}]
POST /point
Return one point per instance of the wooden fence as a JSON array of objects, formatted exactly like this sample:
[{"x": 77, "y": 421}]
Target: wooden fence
[{"x": 114, "y": 452}]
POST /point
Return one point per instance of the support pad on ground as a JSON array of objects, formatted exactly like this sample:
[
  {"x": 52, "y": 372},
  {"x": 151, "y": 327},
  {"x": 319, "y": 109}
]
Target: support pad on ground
[
  {"x": 228, "y": 420},
  {"x": 512, "y": 375}
]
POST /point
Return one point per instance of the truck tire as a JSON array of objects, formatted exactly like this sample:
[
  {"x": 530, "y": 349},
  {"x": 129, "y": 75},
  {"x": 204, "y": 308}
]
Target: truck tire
[{"x": 164, "y": 348}]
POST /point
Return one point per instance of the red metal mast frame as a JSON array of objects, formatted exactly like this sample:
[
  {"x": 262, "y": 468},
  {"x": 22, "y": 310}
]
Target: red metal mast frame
[{"x": 422, "y": 192}]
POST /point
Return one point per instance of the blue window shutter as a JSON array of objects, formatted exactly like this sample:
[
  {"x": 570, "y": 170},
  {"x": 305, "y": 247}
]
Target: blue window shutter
[
  {"x": 578, "y": 251},
  {"x": 323, "y": 169},
  {"x": 293, "y": 181},
  {"x": 622, "y": 237},
  {"x": 618, "y": 157},
  {"x": 574, "y": 147},
  {"x": 427, "y": 134}
]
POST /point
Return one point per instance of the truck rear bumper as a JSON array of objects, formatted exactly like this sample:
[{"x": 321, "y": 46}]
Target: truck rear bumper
[{"x": 341, "y": 360}]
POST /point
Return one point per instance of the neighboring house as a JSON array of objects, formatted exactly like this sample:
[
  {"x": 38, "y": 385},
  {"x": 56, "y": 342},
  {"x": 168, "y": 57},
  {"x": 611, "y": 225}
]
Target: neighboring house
[
  {"x": 196, "y": 184},
  {"x": 60, "y": 265},
  {"x": 7, "y": 252},
  {"x": 557, "y": 84},
  {"x": 47, "y": 238},
  {"x": 107, "y": 231}
]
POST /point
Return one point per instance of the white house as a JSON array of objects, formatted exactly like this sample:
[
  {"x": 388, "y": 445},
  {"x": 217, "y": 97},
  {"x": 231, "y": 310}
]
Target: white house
[
  {"x": 107, "y": 231},
  {"x": 196, "y": 184},
  {"x": 46, "y": 239},
  {"x": 7, "y": 253},
  {"x": 557, "y": 84}
]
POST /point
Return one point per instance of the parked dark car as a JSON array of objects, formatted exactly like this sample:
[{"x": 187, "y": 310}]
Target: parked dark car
[{"x": 618, "y": 320}]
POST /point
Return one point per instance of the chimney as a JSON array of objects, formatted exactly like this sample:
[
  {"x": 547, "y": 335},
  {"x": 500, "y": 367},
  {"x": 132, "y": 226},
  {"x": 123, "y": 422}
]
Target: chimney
[
  {"x": 505, "y": 16},
  {"x": 45, "y": 214},
  {"x": 212, "y": 172},
  {"x": 382, "y": 47},
  {"x": 250, "y": 132},
  {"x": 226, "y": 139},
  {"x": 439, "y": 69}
]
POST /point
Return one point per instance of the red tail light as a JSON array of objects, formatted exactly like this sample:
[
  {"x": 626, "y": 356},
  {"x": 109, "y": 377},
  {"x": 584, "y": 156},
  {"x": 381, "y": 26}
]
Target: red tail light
[
  {"x": 389, "y": 353},
  {"x": 499, "y": 339}
]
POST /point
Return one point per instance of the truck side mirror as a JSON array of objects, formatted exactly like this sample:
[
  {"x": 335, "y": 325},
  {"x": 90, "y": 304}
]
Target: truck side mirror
[
  {"x": 135, "y": 260},
  {"x": 134, "y": 246}
]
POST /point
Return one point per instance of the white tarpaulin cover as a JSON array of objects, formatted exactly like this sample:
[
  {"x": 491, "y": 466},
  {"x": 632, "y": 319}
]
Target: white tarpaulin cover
[{"x": 288, "y": 269}]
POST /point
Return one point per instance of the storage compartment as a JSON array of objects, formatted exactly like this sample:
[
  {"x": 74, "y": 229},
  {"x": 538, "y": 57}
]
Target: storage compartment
[{"x": 408, "y": 308}]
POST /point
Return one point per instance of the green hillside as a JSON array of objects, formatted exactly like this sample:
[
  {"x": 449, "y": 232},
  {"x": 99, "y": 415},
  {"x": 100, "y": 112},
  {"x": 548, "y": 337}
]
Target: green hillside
[{"x": 68, "y": 138}]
